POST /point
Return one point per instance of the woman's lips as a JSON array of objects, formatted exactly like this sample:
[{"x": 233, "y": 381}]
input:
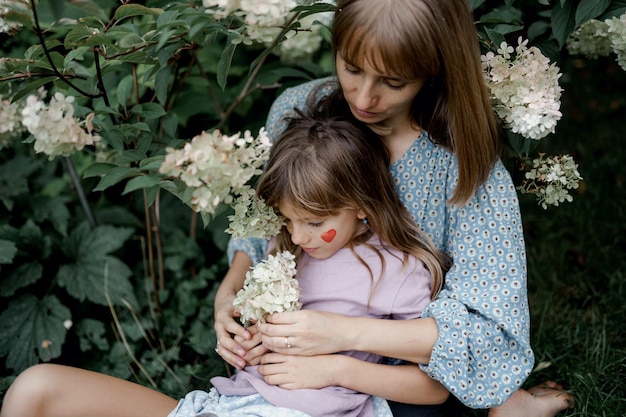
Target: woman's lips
[{"x": 364, "y": 114}]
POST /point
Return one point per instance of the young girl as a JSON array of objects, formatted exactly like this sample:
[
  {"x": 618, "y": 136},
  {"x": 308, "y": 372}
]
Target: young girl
[
  {"x": 358, "y": 253},
  {"x": 410, "y": 70}
]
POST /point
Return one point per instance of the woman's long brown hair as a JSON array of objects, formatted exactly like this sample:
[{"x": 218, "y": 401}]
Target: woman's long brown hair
[{"x": 435, "y": 41}]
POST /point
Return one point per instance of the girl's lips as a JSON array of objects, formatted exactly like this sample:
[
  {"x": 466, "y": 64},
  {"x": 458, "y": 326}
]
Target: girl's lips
[{"x": 308, "y": 250}]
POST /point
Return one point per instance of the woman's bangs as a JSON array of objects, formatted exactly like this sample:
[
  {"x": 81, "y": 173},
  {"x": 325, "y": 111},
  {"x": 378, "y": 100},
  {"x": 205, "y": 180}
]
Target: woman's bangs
[{"x": 383, "y": 51}]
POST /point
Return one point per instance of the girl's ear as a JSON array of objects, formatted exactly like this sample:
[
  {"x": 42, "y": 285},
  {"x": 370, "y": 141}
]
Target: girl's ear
[{"x": 360, "y": 214}]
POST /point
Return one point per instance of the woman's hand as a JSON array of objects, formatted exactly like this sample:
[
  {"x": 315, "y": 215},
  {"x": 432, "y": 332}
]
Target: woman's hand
[
  {"x": 310, "y": 333},
  {"x": 298, "y": 372},
  {"x": 306, "y": 333}
]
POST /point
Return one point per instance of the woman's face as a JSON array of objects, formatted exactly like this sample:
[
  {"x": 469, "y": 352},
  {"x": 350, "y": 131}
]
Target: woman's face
[
  {"x": 374, "y": 97},
  {"x": 320, "y": 237}
]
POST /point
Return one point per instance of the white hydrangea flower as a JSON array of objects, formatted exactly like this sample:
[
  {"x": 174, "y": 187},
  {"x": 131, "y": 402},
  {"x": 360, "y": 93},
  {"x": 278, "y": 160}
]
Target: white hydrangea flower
[
  {"x": 11, "y": 127},
  {"x": 8, "y": 6},
  {"x": 617, "y": 36},
  {"x": 56, "y": 131},
  {"x": 253, "y": 218},
  {"x": 217, "y": 166},
  {"x": 524, "y": 89},
  {"x": 265, "y": 19},
  {"x": 590, "y": 39},
  {"x": 269, "y": 287},
  {"x": 551, "y": 179}
]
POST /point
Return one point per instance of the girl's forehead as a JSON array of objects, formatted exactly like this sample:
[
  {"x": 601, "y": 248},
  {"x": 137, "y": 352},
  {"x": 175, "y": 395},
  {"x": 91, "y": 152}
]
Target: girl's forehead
[{"x": 294, "y": 211}]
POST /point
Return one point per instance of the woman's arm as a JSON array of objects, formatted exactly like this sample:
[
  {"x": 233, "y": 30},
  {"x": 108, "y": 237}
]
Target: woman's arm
[
  {"x": 315, "y": 332},
  {"x": 401, "y": 383}
]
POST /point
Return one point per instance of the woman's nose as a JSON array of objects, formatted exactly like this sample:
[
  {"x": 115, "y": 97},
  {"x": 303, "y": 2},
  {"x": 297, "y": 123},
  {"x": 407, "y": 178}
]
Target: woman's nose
[{"x": 366, "y": 96}]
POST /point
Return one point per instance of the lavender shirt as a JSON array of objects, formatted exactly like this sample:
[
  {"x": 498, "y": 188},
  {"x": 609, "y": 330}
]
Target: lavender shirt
[{"x": 341, "y": 284}]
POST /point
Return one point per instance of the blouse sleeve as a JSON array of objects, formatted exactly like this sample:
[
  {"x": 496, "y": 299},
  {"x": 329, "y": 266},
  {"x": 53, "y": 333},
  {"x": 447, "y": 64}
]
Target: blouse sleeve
[
  {"x": 483, "y": 352},
  {"x": 277, "y": 119}
]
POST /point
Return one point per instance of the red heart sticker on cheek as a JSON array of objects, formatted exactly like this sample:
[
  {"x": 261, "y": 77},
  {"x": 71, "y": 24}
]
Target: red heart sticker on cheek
[{"x": 329, "y": 235}]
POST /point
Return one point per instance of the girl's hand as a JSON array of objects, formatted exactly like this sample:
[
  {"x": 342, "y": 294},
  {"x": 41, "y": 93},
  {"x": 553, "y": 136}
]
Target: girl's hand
[
  {"x": 307, "y": 333},
  {"x": 253, "y": 346},
  {"x": 226, "y": 330},
  {"x": 226, "y": 327},
  {"x": 298, "y": 372}
]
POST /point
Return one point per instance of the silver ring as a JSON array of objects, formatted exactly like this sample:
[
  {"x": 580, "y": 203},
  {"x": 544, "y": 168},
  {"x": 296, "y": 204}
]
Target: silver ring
[
  {"x": 287, "y": 343},
  {"x": 217, "y": 347}
]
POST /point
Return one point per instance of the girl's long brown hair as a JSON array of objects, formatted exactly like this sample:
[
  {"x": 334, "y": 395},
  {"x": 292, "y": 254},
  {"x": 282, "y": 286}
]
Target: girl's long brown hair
[
  {"x": 436, "y": 41},
  {"x": 322, "y": 164}
]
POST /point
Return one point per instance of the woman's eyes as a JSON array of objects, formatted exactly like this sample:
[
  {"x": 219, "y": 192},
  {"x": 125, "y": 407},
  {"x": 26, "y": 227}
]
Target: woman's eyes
[
  {"x": 395, "y": 85},
  {"x": 389, "y": 82},
  {"x": 351, "y": 70},
  {"x": 315, "y": 224}
]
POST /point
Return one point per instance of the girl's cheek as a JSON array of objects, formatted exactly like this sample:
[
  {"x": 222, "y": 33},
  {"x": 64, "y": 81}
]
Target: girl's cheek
[{"x": 329, "y": 235}]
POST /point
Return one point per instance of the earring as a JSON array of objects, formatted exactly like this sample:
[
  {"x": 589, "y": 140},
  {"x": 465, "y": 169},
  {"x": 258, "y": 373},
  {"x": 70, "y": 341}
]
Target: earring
[{"x": 365, "y": 220}]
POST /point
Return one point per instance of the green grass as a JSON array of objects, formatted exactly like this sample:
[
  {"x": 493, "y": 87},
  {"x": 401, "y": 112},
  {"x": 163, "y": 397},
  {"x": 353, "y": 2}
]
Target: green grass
[{"x": 577, "y": 252}]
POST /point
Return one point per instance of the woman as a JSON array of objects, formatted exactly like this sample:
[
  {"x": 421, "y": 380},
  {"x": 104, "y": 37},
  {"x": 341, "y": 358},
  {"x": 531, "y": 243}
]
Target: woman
[{"x": 410, "y": 70}]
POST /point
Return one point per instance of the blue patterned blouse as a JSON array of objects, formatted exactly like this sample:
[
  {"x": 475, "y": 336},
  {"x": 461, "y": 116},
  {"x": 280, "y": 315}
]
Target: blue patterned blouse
[{"x": 483, "y": 352}]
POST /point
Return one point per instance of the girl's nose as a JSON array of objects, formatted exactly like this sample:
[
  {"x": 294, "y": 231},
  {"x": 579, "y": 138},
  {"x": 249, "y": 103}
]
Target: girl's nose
[{"x": 298, "y": 235}]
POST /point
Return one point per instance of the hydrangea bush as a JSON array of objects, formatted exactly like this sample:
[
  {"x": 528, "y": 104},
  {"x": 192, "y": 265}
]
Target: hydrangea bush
[{"x": 131, "y": 134}]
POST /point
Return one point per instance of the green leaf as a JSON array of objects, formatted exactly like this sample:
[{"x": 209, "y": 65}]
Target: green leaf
[
  {"x": 75, "y": 54},
  {"x": 95, "y": 273},
  {"x": 131, "y": 155},
  {"x": 140, "y": 182},
  {"x": 537, "y": 29},
  {"x": 114, "y": 176},
  {"x": 149, "y": 110},
  {"x": 496, "y": 38},
  {"x": 91, "y": 334},
  {"x": 91, "y": 8},
  {"x": 124, "y": 90},
  {"x": 23, "y": 276},
  {"x": 8, "y": 250},
  {"x": 161, "y": 84},
  {"x": 615, "y": 9},
  {"x": 85, "y": 242},
  {"x": 96, "y": 278},
  {"x": 223, "y": 65},
  {"x": 130, "y": 10},
  {"x": 97, "y": 169},
  {"x": 590, "y": 9},
  {"x": 563, "y": 21},
  {"x": 32, "y": 86},
  {"x": 53, "y": 209},
  {"x": 152, "y": 164},
  {"x": 32, "y": 330}
]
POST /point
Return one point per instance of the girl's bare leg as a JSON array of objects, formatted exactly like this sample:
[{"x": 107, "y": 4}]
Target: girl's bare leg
[
  {"x": 545, "y": 400},
  {"x": 59, "y": 391}
]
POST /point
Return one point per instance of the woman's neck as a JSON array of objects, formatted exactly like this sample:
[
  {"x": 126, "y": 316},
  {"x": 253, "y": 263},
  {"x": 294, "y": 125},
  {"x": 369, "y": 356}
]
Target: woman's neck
[{"x": 400, "y": 139}]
